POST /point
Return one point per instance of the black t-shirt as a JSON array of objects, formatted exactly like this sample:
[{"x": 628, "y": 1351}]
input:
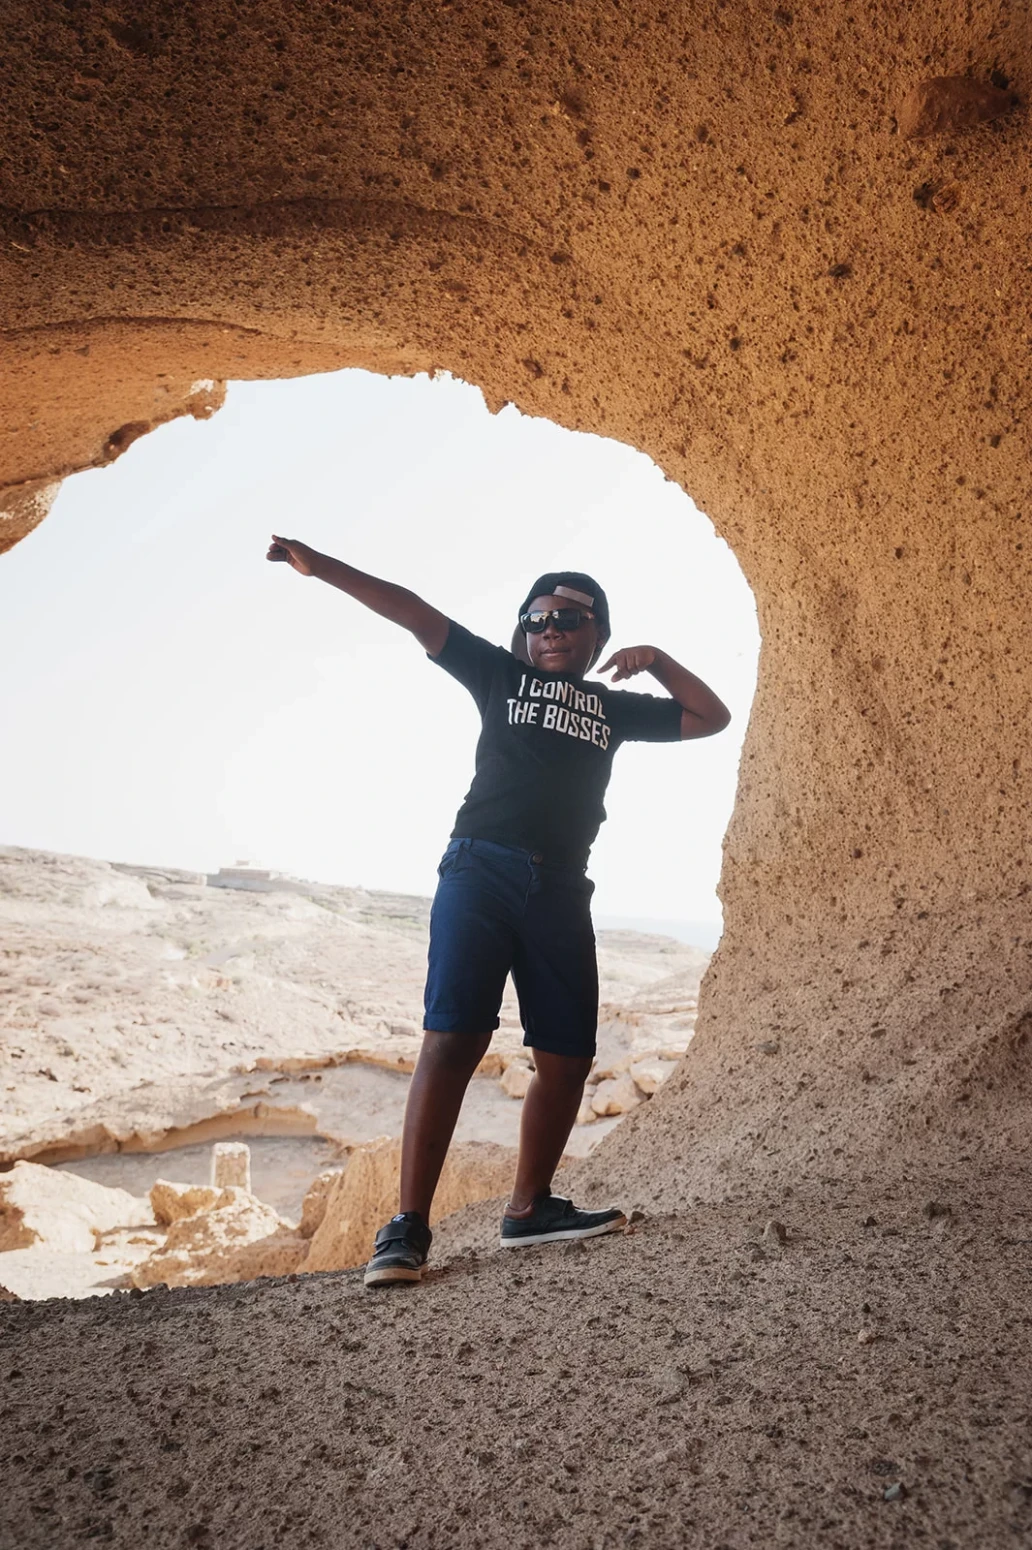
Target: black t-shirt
[{"x": 546, "y": 748}]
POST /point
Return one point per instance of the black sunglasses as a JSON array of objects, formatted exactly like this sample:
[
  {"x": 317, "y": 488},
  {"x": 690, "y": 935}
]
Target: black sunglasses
[{"x": 565, "y": 619}]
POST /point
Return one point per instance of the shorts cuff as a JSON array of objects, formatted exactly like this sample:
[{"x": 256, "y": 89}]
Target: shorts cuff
[
  {"x": 574, "y": 1048},
  {"x": 463, "y": 1025}
]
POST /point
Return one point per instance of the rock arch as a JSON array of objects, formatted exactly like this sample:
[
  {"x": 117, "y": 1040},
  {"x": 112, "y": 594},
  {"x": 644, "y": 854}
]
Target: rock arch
[{"x": 700, "y": 228}]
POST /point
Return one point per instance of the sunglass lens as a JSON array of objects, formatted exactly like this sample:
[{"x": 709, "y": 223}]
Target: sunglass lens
[{"x": 565, "y": 619}]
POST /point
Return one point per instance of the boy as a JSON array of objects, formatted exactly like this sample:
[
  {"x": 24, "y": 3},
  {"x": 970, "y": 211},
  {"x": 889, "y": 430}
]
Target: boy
[{"x": 513, "y": 894}]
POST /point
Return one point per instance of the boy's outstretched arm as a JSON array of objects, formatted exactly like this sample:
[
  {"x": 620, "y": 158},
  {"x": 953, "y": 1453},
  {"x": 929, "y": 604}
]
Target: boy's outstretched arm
[
  {"x": 428, "y": 625},
  {"x": 702, "y": 711}
]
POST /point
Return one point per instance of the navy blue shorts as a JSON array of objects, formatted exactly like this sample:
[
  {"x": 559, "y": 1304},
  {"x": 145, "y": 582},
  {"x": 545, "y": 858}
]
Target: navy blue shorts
[{"x": 497, "y": 909}]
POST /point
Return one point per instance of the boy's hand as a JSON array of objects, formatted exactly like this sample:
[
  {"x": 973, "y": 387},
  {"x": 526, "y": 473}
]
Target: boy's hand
[
  {"x": 296, "y": 554},
  {"x": 634, "y": 659}
]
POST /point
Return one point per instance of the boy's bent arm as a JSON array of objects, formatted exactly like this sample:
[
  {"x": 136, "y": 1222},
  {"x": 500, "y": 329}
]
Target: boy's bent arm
[
  {"x": 398, "y": 604},
  {"x": 702, "y": 712}
]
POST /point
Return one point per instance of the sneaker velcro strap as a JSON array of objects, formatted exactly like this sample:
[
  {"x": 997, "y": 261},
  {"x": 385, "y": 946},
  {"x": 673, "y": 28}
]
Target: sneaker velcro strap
[{"x": 402, "y": 1232}]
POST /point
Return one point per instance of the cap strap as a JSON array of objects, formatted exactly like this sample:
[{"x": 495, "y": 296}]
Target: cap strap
[{"x": 578, "y": 597}]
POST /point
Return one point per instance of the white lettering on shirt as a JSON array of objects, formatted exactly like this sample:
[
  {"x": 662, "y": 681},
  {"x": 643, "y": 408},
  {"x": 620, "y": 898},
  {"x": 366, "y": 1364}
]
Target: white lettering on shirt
[
  {"x": 520, "y": 712},
  {"x": 586, "y": 721}
]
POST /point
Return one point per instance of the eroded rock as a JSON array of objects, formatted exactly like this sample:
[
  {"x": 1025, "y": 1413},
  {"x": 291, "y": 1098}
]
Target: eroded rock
[
  {"x": 49, "y": 1208},
  {"x": 649, "y": 1075},
  {"x": 171, "y": 1202},
  {"x": 365, "y": 1193},
  {"x": 516, "y": 1079},
  {"x": 314, "y": 1207},
  {"x": 231, "y": 1165},
  {"x": 616, "y": 1095},
  {"x": 949, "y": 103},
  {"x": 234, "y": 1238}
]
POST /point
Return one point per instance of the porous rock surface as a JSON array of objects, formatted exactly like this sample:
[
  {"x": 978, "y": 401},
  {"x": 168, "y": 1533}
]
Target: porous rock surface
[
  {"x": 695, "y": 228},
  {"x": 680, "y": 1386}
]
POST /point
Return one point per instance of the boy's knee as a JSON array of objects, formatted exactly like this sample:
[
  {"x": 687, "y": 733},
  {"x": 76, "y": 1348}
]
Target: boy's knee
[
  {"x": 562, "y": 1071},
  {"x": 455, "y": 1051}
]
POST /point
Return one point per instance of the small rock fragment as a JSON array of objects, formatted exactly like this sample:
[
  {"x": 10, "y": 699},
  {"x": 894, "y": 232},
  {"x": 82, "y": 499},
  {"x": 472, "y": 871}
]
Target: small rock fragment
[
  {"x": 671, "y": 1384},
  {"x": 649, "y": 1075},
  {"x": 586, "y": 1114},
  {"x": 869, "y": 1221},
  {"x": 867, "y": 1336},
  {"x": 616, "y": 1096},
  {"x": 933, "y": 1209},
  {"x": 636, "y": 1216},
  {"x": 769, "y": 1047},
  {"x": 948, "y": 103},
  {"x": 231, "y": 1165},
  {"x": 775, "y": 1232},
  {"x": 896, "y": 1492},
  {"x": 516, "y": 1079}
]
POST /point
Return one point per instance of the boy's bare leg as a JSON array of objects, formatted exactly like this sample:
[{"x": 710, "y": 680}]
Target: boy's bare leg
[
  {"x": 446, "y": 1063},
  {"x": 549, "y": 1111}
]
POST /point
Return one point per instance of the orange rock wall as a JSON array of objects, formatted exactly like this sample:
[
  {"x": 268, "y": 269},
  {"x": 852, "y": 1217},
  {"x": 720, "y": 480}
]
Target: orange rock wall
[{"x": 696, "y": 228}]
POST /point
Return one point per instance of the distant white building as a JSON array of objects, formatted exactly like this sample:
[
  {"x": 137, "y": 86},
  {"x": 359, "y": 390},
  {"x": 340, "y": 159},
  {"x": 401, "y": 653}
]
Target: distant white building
[{"x": 244, "y": 875}]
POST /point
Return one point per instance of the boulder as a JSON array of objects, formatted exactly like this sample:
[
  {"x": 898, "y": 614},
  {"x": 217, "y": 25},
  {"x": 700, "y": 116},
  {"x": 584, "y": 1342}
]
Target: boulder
[
  {"x": 171, "y": 1202},
  {"x": 40, "y": 1274},
  {"x": 946, "y": 104},
  {"x": 586, "y": 1114},
  {"x": 231, "y": 1165},
  {"x": 516, "y": 1079},
  {"x": 650, "y": 1074},
  {"x": 314, "y": 1208},
  {"x": 365, "y": 1194},
  {"x": 46, "y": 1207},
  {"x": 616, "y": 1095},
  {"x": 239, "y": 1238}
]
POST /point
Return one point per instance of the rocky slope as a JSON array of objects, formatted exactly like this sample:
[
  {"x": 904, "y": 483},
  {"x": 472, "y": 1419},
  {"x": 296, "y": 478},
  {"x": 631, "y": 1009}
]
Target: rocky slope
[
  {"x": 140, "y": 1005},
  {"x": 863, "y": 1384}
]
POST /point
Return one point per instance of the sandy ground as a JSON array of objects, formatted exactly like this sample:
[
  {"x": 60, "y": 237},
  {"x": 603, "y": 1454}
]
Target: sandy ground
[{"x": 689, "y": 1384}]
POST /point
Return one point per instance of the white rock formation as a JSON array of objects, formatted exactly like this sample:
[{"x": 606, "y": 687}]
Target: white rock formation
[
  {"x": 231, "y": 1165},
  {"x": 516, "y": 1079},
  {"x": 237, "y": 1238},
  {"x": 649, "y": 1075},
  {"x": 48, "y": 1208},
  {"x": 616, "y": 1095}
]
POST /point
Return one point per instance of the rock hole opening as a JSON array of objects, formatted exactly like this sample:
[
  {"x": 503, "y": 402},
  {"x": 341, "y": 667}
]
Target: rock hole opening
[{"x": 254, "y": 714}]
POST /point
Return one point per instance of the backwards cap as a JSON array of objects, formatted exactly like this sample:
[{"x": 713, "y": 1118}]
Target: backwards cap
[{"x": 579, "y": 588}]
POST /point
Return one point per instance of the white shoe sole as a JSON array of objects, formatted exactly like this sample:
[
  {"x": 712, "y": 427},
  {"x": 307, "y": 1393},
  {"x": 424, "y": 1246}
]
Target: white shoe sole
[
  {"x": 559, "y": 1237},
  {"x": 392, "y": 1273}
]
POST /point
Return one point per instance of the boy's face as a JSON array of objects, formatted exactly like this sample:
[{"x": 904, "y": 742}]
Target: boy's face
[{"x": 561, "y": 651}]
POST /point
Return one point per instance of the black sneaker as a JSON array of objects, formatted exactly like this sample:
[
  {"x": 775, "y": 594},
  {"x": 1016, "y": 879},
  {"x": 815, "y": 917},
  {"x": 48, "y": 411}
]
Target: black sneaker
[
  {"x": 399, "y": 1251},
  {"x": 554, "y": 1219}
]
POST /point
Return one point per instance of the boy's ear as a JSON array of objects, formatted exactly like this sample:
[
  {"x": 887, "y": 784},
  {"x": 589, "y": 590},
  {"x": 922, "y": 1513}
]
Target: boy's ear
[
  {"x": 600, "y": 646},
  {"x": 519, "y": 647}
]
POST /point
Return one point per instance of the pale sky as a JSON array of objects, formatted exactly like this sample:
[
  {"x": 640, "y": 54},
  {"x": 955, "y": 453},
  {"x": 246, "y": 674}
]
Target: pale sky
[{"x": 170, "y": 697}]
